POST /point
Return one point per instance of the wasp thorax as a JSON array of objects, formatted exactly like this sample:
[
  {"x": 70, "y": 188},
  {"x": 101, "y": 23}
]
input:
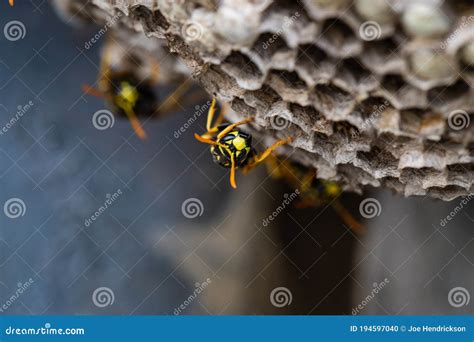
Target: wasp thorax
[{"x": 235, "y": 144}]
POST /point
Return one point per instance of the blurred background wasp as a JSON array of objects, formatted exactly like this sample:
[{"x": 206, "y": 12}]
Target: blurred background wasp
[
  {"x": 231, "y": 147},
  {"x": 132, "y": 96},
  {"x": 313, "y": 191}
]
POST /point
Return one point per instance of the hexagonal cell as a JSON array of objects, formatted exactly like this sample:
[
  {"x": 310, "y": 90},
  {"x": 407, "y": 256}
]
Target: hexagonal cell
[
  {"x": 150, "y": 19},
  {"x": 461, "y": 174},
  {"x": 355, "y": 76},
  {"x": 338, "y": 39},
  {"x": 290, "y": 20},
  {"x": 332, "y": 101},
  {"x": 269, "y": 46},
  {"x": 418, "y": 122},
  {"x": 383, "y": 56},
  {"x": 378, "y": 162},
  {"x": 289, "y": 86},
  {"x": 402, "y": 94},
  {"x": 245, "y": 72},
  {"x": 449, "y": 192},
  {"x": 262, "y": 98},
  {"x": 449, "y": 97},
  {"x": 369, "y": 112},
  {"x": 314, "y": 64}
]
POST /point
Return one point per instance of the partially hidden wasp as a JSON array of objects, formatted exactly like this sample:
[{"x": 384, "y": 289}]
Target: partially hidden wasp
[
  {"x": 313, "y": 191},
  {"x": 231, "y": 147},
  {"x": 131, "y": 96}
]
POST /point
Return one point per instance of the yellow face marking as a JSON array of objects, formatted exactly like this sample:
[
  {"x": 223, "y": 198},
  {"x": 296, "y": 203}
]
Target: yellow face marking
[
  {"x": 332, "y": 189},
  {"x": 239, "y": 143},
  {"x": 128, "y": 93}
]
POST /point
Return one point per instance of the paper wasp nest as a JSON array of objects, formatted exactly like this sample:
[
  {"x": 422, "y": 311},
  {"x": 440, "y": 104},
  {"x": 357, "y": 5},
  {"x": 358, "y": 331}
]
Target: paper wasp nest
[{"x": 376, "y": 92}]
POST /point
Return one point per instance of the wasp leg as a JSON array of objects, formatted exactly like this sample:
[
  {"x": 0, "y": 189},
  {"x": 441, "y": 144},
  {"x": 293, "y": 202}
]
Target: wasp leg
[
  {"x": 259, "y": 158},
  {"x": 136, "y": 125},
  {"x": 347, "y": 217},
  {"x": 232, "y": 172},
  {"x": 210, "y": 115},
  {"x": 231, "y": 127},
  {"x": 220, "y": 118},
  {"x": 172, "y": 102},
  {"x": 305, "y": 203},
  {"x": 155, "y": 72},
  {"x": 90, "y": 90},
  {"x": 205, "y": 139}
]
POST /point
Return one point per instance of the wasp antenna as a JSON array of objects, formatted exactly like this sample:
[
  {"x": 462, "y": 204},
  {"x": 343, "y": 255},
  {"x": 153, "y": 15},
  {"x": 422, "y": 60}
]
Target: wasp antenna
[{"x": 204, "y": 140}]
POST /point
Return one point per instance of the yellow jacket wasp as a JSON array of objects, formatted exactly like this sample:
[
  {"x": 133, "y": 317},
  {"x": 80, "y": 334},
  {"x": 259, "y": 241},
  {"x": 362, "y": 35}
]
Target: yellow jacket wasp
[
  {"x": 231, "y": 147},
  {"x": 130, "y": 96},
  {"x": 313, "y": 191}
]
